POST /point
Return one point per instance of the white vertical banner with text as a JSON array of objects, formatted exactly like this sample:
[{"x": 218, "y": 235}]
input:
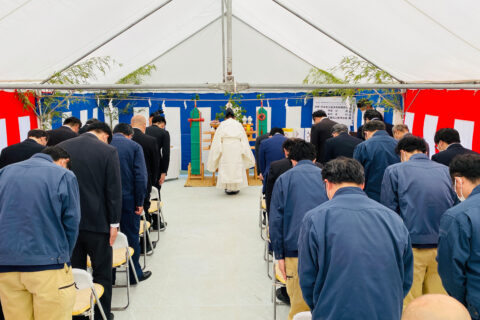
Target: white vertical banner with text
[{"x": 338, "y": 109}]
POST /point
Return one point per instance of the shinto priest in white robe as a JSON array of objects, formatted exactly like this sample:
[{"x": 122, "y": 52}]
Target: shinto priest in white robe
[{"x": 230, "y": 153}]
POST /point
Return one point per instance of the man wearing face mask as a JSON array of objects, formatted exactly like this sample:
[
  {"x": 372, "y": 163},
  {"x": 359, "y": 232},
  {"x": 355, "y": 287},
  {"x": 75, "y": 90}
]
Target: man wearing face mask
[
  {"x": 459, "y": 241},
  {"x": 420, "y": 191},
  {"x": 354, "y": 256},
  {"x": 97, "y": 168}
]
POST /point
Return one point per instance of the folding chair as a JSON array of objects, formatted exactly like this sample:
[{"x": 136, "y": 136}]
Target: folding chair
[
  {"x": 307, "y": 315},
  {"x": 262, "y": 213},
  {"x": 144, "y": 230},
  {"x": 88, "y": 294},
  {"x": 267, "y": 256},
  {"x": 156, "y": 208},
  {"x": 278, "y": 282}
]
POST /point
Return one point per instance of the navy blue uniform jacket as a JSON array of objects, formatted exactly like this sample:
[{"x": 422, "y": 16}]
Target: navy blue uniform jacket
[
  {"x": 295, "y": 192},
  {"x": 133, "y": 170},
  {"x": 420, "y": 191},
  {"x": 376, "y": 154},
  {"x": 459, "y": 252},
  {"x": 270, "y": 150},
  {"x": 355, "y": 259}
]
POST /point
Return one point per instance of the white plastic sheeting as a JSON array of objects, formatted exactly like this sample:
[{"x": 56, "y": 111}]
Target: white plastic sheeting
[
  {"x": 411, "y": 44},
  {"x": 41, "y": 37},
  {"x": 414, "y": 40}
]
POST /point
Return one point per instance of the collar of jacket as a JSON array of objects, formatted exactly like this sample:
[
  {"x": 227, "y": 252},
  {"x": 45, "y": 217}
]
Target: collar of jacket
[
  {"x": 475, "y": 191},
  {"x": 305, "y": 162},
  {"x": 43, "y": 156},
  {"x": 381, "y": 133},
  {"x": 28, "y": 140},
  {"x": 455, "y": 145},
  {"x": 119, "y": 135},
  {"x": 419, "y": 156},
  {"x": 90, "y": 135},
  {"x": 349, "y": 190}
]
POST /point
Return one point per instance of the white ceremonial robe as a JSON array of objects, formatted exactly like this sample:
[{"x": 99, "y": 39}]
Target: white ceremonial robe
[{"x": 230, "y": 153}]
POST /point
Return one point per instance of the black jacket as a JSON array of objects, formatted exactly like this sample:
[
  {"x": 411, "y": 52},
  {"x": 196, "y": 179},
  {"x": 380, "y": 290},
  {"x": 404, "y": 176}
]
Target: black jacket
[
  {"x": 97, "y": 168},
  {"x": 60, "y": 134},
  {"x": 319, "y": 134},
  {"x": 340, "y": 146},
  {"x": 388, "y": 128},
  {"x": 152, "y": 156},
  {"x": 163, "y": 142},
  {"x": 258, "y": 141},
  {"x": 276, "y": 169},
  {"x": 446, "y": 156},
  {"x": 19, "y": 152}
]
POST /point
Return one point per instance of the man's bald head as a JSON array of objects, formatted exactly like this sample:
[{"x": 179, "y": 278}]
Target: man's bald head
[
  {"x": 435, "y": 307},
  {"x": 138, "y": 121}
]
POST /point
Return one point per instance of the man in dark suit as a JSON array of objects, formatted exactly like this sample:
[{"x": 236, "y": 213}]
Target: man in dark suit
[
  {"x": 35, "y": 142},
  {"x": 157, "y": 130},
  {"x": 448, "y": 143},
  {"x": 372, "y": 114},
  {"x": 151, "y": 154},
  {"x": 69, "y": 130},
  {"x": 97, "y": 168},
  {"x": 258, "y": 141},
  {"x": 134, "y": 190},
  {"x": 341, "y": 145},
  {"x": 321, "y": 131},
  {"x": 270, "y": 150}
]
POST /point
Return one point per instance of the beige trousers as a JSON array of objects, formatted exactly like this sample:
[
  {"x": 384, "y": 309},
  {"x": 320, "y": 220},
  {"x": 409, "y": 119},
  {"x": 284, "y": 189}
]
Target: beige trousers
[
  {"x": 297, "y": 304},
  {"x": 41, "y": 295}
]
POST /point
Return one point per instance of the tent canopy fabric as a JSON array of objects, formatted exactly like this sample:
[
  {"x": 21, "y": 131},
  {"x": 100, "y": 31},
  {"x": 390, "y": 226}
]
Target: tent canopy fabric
[{"x": 413, "y": 40}]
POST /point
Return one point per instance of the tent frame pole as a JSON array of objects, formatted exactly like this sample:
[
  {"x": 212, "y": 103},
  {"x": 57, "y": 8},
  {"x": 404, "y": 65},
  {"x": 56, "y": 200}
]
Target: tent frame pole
[
  {"x": 332, "y": 37},
  {"x": 239, "y": 86},
  {"x": 230, "y": 78},
  {"x": 223, "y": 40},
  {"x": 111, "y": 38}
]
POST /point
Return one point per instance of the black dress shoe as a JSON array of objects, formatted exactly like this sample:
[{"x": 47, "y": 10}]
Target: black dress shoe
[
  {"x": 110, "y": 316},
  {"x": 145, "y": 275},
  {"x": 282, "y": 295},
  {"x": 231, "y": 192}
]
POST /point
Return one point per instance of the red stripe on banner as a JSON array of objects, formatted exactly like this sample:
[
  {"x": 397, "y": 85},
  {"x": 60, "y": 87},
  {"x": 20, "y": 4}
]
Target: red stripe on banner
[
  {"x": 10, "y": 110},
  {"x": 448, "y": 105}
]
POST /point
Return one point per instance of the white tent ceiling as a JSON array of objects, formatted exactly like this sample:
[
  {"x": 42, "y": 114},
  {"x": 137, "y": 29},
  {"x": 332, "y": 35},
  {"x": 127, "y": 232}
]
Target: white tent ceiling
[{"x": 414, "y": 40}]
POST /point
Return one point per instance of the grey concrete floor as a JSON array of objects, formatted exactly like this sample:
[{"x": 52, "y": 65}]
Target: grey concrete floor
[{"x": 209, "y": 262}]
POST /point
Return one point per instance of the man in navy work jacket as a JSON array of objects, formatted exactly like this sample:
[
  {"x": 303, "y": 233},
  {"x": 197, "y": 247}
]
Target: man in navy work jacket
[
  {"x": 270, "y": 150},
  {"x": 134, "y": 189},
  {"x": 375, "y": 154},
  {"x": 354, "y": 255},
  {"x": 295, "y": 192},
  {"x": 420, "y": 191},
  {"x": 39, "y": 218},
  {"x": 459, "y": 242}
]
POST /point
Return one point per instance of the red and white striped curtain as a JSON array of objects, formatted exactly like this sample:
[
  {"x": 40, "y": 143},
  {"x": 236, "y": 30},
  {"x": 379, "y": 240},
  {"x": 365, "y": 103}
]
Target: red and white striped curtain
[
  {"x": 15, "y": 121},
  {"x": 427, "y": 111}
]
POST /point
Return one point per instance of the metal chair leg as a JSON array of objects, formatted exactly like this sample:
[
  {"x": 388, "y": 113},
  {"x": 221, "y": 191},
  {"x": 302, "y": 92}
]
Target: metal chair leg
[
  {"x": 127, "y": 257},
  {"x": 100, "y": 308}
]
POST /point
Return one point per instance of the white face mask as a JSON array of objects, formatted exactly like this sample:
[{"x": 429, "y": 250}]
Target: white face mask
[{"x": 460, "y": 197}]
